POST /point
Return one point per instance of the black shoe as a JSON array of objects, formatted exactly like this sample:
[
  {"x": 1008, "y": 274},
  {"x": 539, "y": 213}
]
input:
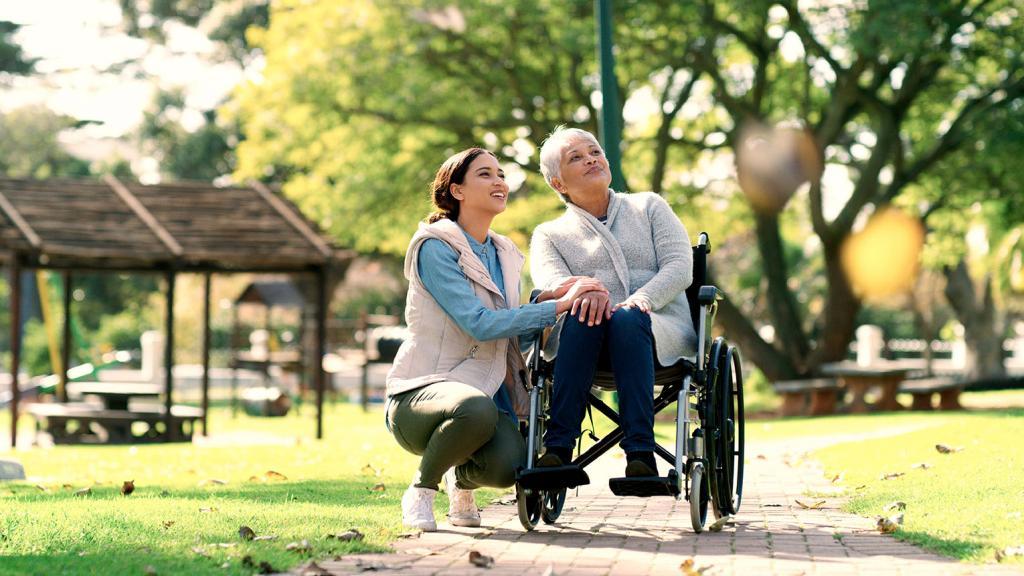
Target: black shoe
[
  {"x": 554, "y": 457},
  {"x": 640, "y": 464}
]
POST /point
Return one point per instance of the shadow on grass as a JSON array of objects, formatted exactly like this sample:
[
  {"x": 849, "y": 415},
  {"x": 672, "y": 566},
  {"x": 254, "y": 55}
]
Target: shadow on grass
[{"x": 953, "y": 548}]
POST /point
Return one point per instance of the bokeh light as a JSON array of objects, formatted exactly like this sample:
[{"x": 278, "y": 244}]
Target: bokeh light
[
  {"x": 772, "y": 163},
  {"x": 883, "y": 259}
]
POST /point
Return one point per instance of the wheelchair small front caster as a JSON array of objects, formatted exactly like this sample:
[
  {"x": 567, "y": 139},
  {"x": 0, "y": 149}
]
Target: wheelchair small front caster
[
  {"x": 698, "y": 497},
  {"x": 530, "y": 506}
]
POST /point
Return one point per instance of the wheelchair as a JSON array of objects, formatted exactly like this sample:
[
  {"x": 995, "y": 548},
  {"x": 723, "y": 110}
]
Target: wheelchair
[{"x": 707, "y": 460}]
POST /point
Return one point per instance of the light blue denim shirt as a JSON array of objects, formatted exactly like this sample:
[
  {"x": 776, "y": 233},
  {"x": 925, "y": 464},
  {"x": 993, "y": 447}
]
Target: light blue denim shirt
[{"x": 438, "y": 268}]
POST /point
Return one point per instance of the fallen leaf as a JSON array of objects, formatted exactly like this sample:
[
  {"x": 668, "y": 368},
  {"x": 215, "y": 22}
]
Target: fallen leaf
[
  {"x": 1009, "y": 552},
  {"x": 246, "y": 533},
  {"x": 410, "y": 534},
  {"x": 369, "y": 470},
  {"x": 168, "y": 523},
  {"x": 762, "y": 457},
  {"x": 83, "y": 492},
  {"x": 42, "y": 488},
  {"x": 861, "y": 487},
  {"x": 212, "y": 482},
  {"x": 717, "y": 525},
  {"x": 891, "y": 475},
  {"x": 210, "y": 509},
  {"x": 772, "y": 505},
  {"x": 481, "y": 560},
  {"x": 313, "y": 569},
  {"x": 347, "y": 536},
  {"x": 271, "y": 475},
  {"x": 815, "y": 506},
  {"x": 378, "y": 488},
  {"x": 921, "y": 466},
  {"x": 690, "y": 568},
  {"x": 267, "y": 537},
  {"x": 149, "y": 571},
  {"x": 67, "y": 486},
  {"x": 889, "y": 524},
  {"x": 506, "y": 500},
  {"x": 837, "y": 478},
  {"x": 897, "y": 506},
  {"x": 944, "y": 449},
  {"x": 226, "y": 544},
  {"x": 200, "y": 551},
  {"x": 128, "y": 487},
  {"x": 301, "y": 547}
]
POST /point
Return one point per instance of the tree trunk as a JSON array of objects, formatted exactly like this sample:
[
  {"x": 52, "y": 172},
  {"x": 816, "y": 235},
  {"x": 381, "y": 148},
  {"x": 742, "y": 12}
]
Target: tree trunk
[
  {"x": 981, "y": 335},
  {"x": 789, "y": 330},
  {"x": 840, "y": 315},
  {"x": 739, "y": 331}
]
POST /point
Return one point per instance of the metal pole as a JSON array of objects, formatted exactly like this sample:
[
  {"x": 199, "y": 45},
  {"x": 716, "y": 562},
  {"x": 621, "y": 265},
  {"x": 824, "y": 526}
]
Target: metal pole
[
  {"x": 14, "y": 284},
  {"x": 169, "y": 356},
  {"x": 611, "y": 121},
  {"x": 65, "y": 351},
  {"x": 207, "y": 281}
]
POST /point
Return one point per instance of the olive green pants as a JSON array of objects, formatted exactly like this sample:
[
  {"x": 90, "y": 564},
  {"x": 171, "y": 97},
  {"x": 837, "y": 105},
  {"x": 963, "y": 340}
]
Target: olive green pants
[{"x": 453, "y": 424}]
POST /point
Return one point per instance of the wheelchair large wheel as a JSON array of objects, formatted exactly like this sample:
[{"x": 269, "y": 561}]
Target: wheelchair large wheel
[
  {"x": 698, "y": 497},
  {"x": 553, "y": 501},
  {"x": 530, "y": 506},
  {"x": 726, "y": 450}
]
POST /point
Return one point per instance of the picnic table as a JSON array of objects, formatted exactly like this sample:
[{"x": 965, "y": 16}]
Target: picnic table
[
  {"x": 115, "y": 395},
  {"x": 858, "y": 379}
]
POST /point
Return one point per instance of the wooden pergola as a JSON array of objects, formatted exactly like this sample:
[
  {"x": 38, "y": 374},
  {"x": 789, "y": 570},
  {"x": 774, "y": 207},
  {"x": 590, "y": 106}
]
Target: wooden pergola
[{"x": 170, "y": 228}]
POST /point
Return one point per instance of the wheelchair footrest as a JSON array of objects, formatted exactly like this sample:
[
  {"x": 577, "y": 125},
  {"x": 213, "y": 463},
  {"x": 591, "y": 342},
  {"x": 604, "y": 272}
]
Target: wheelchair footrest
[
  {"x": 643, "y": 486},
  {"x": 552, "y": 478}
]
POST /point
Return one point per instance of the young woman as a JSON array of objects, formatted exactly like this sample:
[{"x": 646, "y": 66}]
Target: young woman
[{"x": 458, "y": 384}]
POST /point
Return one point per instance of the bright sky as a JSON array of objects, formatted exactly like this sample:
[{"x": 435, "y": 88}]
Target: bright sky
[{"x": 76, "y": 40}]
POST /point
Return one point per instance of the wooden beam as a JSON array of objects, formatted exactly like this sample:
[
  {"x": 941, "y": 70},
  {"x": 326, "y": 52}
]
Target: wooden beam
[
  {"x": 20, "y": 223},
  {"x": 292, "y": 218},
  {"x": 147, "y": 218},
  {"x": 14, "y": 279},
  {"x": 207, "y": 281},
  {"x": 65, "y": 348},
  {"x": 169, "y": 355}
]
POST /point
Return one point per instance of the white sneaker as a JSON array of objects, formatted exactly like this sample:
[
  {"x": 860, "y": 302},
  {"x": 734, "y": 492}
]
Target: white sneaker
[
  {"x": 418, "y": 508},
  {"x": 462, "y": 509}
]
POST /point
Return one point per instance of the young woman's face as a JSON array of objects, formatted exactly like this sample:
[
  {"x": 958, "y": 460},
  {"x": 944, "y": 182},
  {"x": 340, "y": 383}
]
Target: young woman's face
[
  {"x": 583, "y": 167},
  {"x": 484, "y": 188}
]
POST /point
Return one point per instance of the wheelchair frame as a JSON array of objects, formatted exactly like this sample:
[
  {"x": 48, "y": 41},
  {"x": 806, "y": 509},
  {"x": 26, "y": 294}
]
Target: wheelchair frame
[{"x": 707, "y": 464}]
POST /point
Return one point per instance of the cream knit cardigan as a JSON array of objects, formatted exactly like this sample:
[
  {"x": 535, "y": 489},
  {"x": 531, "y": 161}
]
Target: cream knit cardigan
[{"x": 641, "y": 253}]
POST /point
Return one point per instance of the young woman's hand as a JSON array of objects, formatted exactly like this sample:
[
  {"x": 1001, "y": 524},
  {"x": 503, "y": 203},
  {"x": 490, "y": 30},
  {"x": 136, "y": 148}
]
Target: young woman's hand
[
  {"x": 578, "y": 288},
  {"x": 561, "y": 289}
]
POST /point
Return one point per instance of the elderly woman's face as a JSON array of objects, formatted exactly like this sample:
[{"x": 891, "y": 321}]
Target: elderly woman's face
[{"x": 583, "y": 167}]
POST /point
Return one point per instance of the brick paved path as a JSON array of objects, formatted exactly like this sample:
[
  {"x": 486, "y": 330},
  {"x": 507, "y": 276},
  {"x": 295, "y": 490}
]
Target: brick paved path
[{"x": 601, "y": 534}]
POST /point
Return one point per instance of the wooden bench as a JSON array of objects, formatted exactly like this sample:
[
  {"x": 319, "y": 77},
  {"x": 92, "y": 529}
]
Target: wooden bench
[
  {"x": 922, "y": 390},
  {"x": 823, "y": 394},
  {"x": 73, "y": 423}
]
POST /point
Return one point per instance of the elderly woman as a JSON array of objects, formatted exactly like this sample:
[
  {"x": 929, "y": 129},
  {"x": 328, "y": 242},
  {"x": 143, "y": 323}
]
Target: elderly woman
[{"x": 639, "y": 250}]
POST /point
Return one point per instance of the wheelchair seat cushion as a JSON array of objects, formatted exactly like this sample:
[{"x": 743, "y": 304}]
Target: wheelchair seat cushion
[{"x": 604, "y": 380}]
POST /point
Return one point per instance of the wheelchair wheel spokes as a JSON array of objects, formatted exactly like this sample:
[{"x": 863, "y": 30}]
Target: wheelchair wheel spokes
[{"x": 553, "y": 501}]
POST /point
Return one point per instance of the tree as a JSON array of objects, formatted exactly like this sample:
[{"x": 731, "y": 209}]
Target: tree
[
  {"x": 203, "y": 153},
  {"x": 12, "y": 60},
  {"x": 358, "y": 101},
  {"x": 29, "y": 147}
]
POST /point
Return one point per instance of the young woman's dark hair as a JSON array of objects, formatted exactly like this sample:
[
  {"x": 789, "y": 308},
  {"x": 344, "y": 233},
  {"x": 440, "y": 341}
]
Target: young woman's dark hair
[{"x": 453, "y": 171}]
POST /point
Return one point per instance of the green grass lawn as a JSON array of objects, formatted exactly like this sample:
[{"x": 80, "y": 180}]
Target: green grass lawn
[{"x": 181, "y": 519}]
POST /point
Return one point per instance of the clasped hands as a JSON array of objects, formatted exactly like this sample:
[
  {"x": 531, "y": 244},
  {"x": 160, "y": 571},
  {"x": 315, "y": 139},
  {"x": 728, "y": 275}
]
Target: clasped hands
[{"x": 589, "y": 299}]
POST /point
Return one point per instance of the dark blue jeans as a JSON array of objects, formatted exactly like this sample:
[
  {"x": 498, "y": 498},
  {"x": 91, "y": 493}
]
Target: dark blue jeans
[{"x": 625, "y": 345}]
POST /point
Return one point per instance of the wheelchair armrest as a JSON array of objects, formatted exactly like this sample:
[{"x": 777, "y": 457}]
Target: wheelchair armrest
[{"x": 709, "y": 294}]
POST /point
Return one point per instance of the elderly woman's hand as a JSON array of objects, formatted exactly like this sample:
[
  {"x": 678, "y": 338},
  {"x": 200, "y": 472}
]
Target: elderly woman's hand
[
  {"x": 576, "y": 290},
  {"x": 634, "y": 301},
  {"x": 593, "y": 307}
]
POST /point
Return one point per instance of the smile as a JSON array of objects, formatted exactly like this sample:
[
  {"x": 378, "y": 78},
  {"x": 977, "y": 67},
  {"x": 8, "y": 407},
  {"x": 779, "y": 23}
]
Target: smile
[{"x": 498, "y": 195}]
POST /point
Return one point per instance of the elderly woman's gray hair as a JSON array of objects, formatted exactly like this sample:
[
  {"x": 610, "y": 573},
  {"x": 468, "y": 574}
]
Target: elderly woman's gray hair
[{"x": 551, "y": 150}]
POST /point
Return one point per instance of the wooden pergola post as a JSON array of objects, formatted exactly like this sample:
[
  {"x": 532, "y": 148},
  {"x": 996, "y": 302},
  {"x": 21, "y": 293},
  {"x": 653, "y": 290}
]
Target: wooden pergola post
[
  {"x": 169, "y": 355},
  {"x": 321, "y": 342},
  {"x": 65, "y": 349},
  {"x": 207, "y": 281},
  {"x": 14, "y": 280}
]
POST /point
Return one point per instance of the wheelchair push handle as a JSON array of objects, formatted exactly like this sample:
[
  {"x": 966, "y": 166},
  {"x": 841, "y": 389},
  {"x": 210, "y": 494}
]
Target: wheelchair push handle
[{"x": 704, "y": 240}]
